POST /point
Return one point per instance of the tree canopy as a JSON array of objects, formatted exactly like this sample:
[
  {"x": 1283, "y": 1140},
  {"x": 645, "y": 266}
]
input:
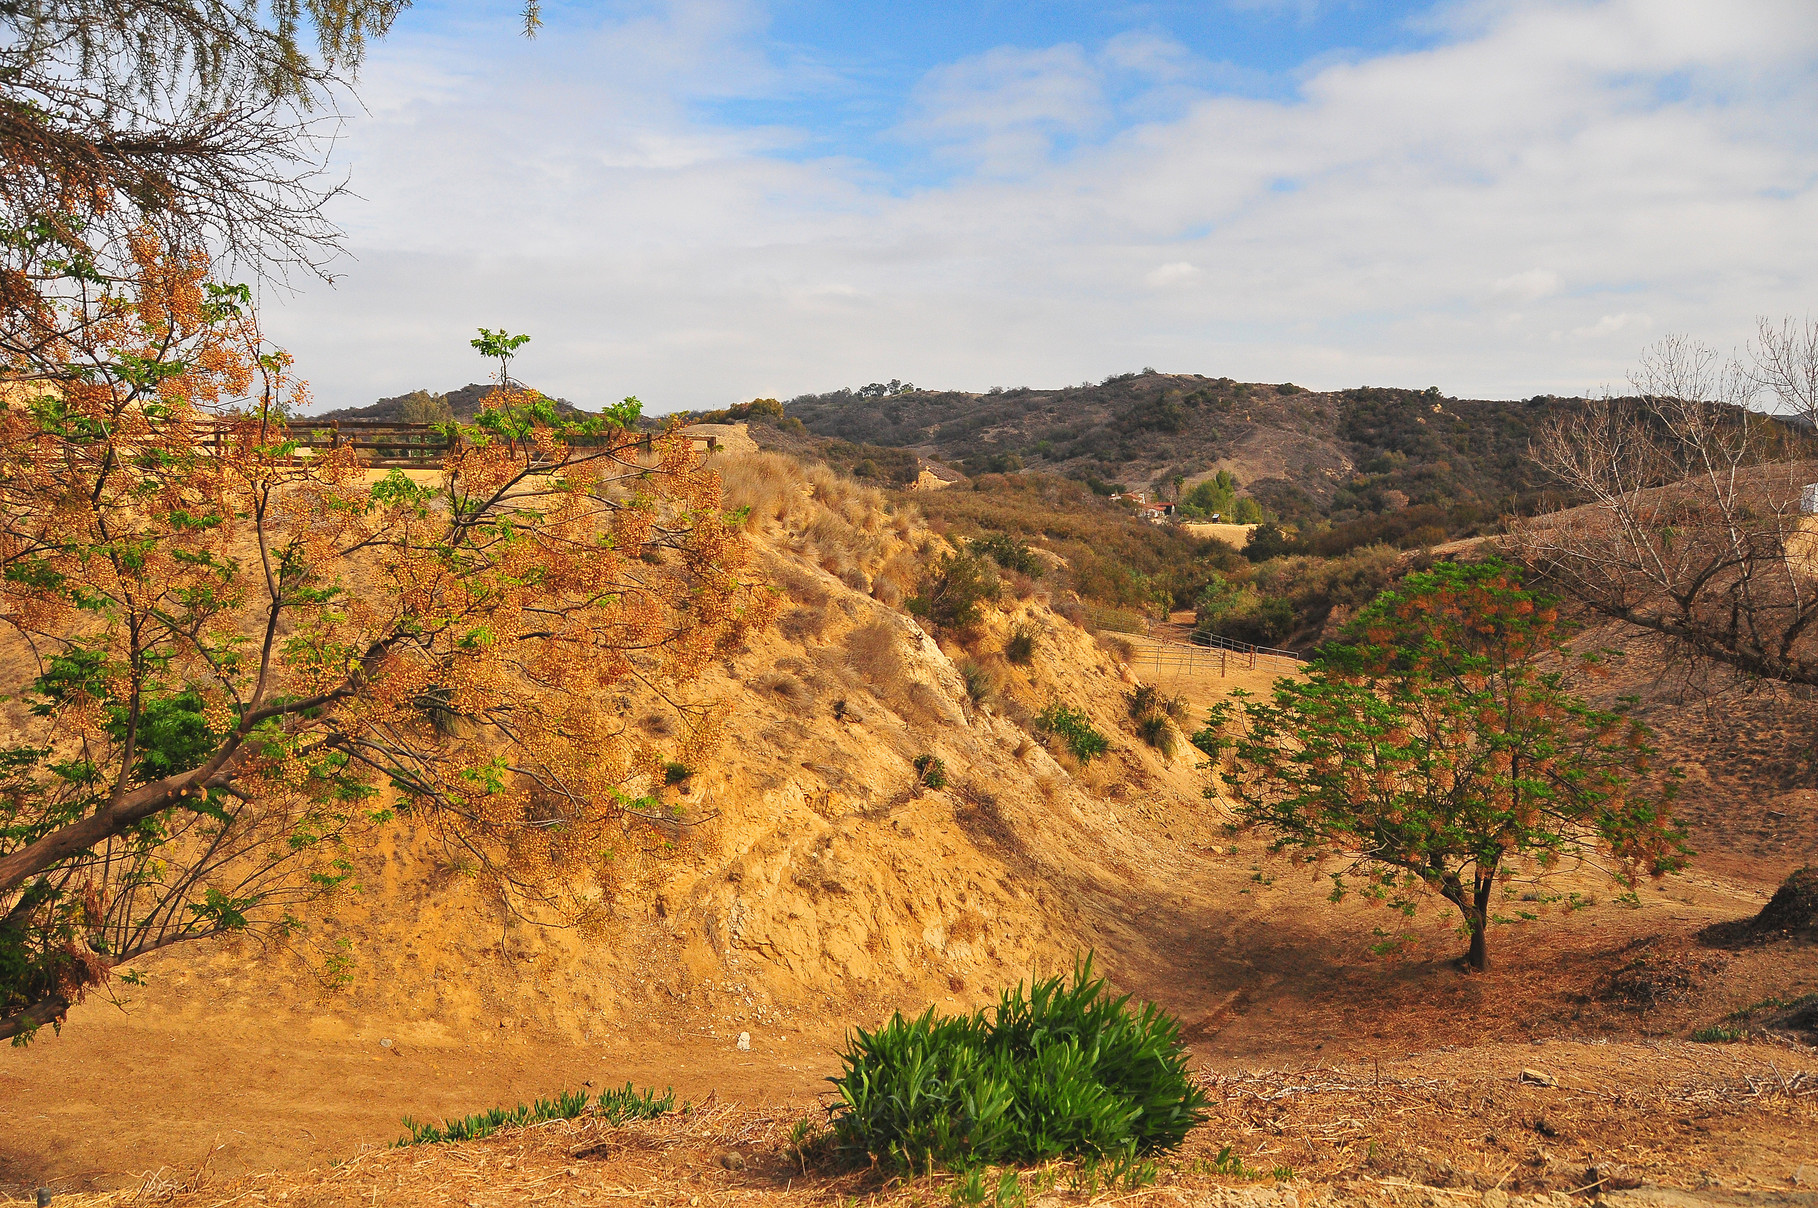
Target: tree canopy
[
  {"x": 239, "y": 652},
  {"x": 1442, "y": 744}
]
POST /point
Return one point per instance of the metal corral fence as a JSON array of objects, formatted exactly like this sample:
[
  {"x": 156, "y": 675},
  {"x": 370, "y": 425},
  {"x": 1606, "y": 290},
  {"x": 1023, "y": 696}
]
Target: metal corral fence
[{"x": 1160, "y": 656}]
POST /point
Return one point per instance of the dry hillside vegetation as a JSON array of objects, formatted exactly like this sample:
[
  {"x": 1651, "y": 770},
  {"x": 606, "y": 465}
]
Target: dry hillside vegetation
[{"x": 804, "y": 878}]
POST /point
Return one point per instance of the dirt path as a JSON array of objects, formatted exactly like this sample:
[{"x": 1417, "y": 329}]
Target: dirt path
[{"x": 170, "y": 1087}]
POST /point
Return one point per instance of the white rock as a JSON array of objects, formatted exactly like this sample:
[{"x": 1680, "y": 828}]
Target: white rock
[{"x": 744, "y": 1042}]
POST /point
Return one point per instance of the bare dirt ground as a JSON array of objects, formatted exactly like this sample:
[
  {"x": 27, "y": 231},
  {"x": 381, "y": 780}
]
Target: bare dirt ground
[
  {"x": 1264, "y": 974},
  {"x": 1234, "y": 535},
  {"x": 1529, "y": 1125}
]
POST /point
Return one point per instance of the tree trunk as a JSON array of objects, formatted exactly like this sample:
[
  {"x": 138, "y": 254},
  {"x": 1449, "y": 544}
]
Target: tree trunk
[
  {"x": 1478, "y": 959},
  {"x": 1474, "y": 905},
  {"x": 1478, "y": 917}
]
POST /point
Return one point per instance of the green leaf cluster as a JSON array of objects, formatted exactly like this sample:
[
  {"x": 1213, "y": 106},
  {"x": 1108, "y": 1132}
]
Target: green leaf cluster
[
  {"x": 1074, "y": 729},
  {"x": 1066, "y": 1069},
  {"x": 613, "y": 1106},
  {"x": 955, "y": 590}
]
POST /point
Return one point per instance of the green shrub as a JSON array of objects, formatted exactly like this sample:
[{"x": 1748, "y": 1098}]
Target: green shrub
[
  {"x": 629, "y": 1103},
  {"x": 1248, "y": 511},
  {"x": 1146, "y": 700},
  {"x": 1009, "y": 553},
  {"x": 1066, "y": 1070},
  {"x": 614, "y": 1107},
  {"x": 1152, "y": 712},
  {"x": 955, "y": 591},
  {"x": 931, "y": 771},
  {"x": 1269, "y": 541},
  {"x": 1718, "y": 1034},
  {"x": 1155, "y": 730},
  {"x": 1020, "y": 649},
  {"x": 1074, "y": 729},
  {"x": 981, "y": 686}
]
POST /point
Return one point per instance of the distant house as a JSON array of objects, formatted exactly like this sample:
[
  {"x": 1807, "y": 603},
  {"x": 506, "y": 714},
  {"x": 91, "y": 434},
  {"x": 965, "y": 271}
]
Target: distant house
[{"x": 1157, "y": 513}]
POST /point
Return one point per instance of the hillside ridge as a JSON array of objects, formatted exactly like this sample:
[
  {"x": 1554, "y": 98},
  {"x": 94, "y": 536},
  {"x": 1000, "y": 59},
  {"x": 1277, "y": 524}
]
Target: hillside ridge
[{"x": 1301, "y": 452}]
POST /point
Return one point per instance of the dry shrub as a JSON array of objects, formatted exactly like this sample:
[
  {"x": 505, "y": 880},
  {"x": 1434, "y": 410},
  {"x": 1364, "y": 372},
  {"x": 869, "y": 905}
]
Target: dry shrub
[
  {"x": 1050, "y": 786},
  {"x": 841, "y": 525},
  {"x": 1117, "y": 647},
  {"x": 800, "y": 586},
  {"x": 967, "y": 926},
  {"x": 792, "y": 691},
  {"x": 802, "y": 624},
  {"x": 875, "y": 652},
  {"x": 1657, "y": 978},
  {"x": 1792, "y": 912},
  {"x": 901, "y": 573},
  {"x": 917, "y": 703},
  {"x": 860, "y": 506}
]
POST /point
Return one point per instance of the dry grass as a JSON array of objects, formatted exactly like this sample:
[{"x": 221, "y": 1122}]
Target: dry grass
[
  {"x": 847, "y": 529},
  {"x": 874, "y": 651}
]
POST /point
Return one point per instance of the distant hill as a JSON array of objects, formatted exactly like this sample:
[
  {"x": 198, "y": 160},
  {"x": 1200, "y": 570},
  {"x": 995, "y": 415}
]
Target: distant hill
[
  {"x": 1341, "y": 455},
  {"x": 463, "y": 404}
]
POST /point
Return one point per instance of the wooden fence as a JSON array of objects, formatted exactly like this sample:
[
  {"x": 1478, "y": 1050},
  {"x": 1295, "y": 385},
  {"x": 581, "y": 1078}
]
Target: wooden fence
[{"x": 392, "y": 444}]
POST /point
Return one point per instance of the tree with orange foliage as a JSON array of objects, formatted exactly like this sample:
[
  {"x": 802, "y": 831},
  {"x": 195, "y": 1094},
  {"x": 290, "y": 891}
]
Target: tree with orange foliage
[
  {"x": 223, "y": 649},
  {"x": 1442, "y": 744}
]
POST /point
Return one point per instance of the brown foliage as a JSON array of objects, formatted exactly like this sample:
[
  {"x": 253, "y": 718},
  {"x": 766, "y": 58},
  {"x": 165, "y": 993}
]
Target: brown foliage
[{"x": 316, "y": 635}]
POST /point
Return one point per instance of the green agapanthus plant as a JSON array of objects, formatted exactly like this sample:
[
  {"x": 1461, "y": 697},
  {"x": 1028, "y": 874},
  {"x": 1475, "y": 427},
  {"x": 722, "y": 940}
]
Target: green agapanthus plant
[{"x": 1443, "y": 745}]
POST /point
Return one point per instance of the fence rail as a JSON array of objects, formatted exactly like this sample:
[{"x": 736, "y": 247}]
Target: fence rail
[
  {"x": 1164, "y": 657},
  {"x": 389, "y": 444},
  {"x": 1216, "y": 642}
]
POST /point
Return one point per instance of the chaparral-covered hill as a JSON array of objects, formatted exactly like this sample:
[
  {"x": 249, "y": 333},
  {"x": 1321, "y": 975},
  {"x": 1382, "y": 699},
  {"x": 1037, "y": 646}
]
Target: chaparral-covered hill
[{"x": 1298, "y": 451}]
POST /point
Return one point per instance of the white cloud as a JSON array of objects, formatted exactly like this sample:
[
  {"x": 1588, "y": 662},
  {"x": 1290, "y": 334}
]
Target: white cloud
[
  {"x": 1528, "y": 286},
  {"x": 1658, "y": 155},
  {"x": 1175, "y": 273},
  {"x": 1609, "y": 325},
  {"x": 1002, "y": 110}
]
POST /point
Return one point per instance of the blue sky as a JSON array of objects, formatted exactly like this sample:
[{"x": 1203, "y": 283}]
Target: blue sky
[
  {"x": 702, "y": 201},
  {"x": 857, "y": 67}
]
